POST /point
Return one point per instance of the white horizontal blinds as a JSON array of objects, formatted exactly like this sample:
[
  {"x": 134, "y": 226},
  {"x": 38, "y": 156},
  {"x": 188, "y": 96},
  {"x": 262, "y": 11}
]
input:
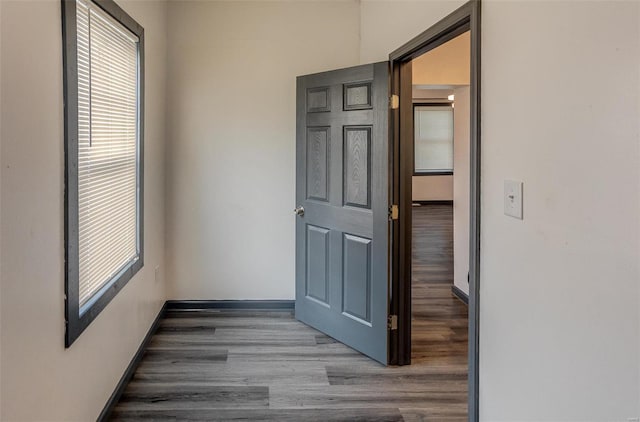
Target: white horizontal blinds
[
  {"x": 107, "y": 148},
  {"x": 433, "y": 138}
]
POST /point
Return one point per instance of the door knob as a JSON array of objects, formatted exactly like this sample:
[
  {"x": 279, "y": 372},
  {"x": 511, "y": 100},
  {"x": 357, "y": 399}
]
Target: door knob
[{"x": 299, "y": 211}]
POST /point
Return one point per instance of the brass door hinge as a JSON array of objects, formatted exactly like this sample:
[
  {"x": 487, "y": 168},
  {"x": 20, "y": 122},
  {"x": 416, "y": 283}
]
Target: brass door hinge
[
  {"x": 392, "y": 322},
  {"x": 393, "y": 212},
  {"x": 394, "y": 102}
]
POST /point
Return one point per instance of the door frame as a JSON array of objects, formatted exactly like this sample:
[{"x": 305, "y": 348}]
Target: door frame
[{"x": 465, "y": 18}]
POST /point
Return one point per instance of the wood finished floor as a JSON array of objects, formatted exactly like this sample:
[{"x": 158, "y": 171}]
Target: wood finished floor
[{"x": 266, "y": 366}]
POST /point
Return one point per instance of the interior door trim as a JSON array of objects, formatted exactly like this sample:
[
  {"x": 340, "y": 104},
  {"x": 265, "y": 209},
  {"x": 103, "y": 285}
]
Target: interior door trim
[{"x": 467, "y": 17}]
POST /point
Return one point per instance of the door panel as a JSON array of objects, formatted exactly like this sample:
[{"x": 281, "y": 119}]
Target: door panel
[
  {"x": 317, "y": 276},
  {"x": 318, "y": 141},
  {"x": 342, "y": 184},
  {"x": 356, "y": 277}
]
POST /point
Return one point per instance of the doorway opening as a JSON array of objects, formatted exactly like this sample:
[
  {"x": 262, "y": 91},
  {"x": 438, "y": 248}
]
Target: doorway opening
[
  {"x": 436, "y": 154},
  {"x": 440, "y": 204},
  {"x": 440, "y": 215}
]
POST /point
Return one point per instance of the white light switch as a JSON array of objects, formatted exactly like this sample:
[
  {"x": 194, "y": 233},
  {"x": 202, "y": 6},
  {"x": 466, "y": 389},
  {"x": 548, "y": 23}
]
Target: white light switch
[{"x": 513, "y": 198}]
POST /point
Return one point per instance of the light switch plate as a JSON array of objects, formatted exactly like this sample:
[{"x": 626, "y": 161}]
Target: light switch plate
[{"x": 513, "y": 198}]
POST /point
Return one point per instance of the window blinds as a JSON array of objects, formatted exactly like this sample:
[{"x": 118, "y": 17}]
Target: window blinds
[
  {"x": 107, "y": 149},
  {"x": 433, "y": 138}
]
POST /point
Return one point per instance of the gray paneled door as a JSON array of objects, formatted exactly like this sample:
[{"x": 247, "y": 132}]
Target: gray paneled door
[{"x": 342, "y": 195}]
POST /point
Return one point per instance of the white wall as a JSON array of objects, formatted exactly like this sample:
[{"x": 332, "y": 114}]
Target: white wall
[
  {"x": 0, "y": 213},
  {"x": 40, "y": 379},
  {"x": 461, "y": 185},
  {"x": 387, "y": 24},
  {"x": 432, "y": 188},
  {"x": 638, "y": 190},
  {"x": 559, "y": 325},
  {"x": 232, "y": 70}
]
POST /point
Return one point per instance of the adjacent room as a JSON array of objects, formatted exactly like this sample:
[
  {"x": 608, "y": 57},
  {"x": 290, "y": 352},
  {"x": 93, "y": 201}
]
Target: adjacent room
[{"x": 440, "y": 199}]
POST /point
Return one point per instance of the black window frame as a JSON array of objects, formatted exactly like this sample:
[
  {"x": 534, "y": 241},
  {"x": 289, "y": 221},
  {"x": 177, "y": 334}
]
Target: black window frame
[
  {"x": 441, "y": 172},
  {"x": 75, "y": 323}
]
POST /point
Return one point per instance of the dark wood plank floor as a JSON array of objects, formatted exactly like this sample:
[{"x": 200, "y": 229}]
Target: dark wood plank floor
[
  {"x": 440, "y": 323},
  {"x": 252, "y": 365}
]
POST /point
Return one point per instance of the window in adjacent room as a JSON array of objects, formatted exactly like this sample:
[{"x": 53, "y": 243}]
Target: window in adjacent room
[
  {"x": 103, "y": 58},
  {"x": 433, "y": 139}
]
